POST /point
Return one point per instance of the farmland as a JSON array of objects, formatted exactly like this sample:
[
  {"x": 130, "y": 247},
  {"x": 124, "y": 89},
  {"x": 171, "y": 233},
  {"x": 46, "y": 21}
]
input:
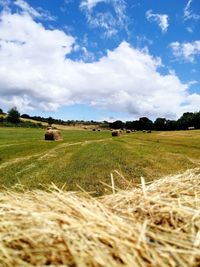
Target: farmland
[{"x": 85, "y": 159}]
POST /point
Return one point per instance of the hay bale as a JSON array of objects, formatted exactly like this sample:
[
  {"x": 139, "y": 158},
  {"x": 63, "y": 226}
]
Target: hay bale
[
  {"x": 53, "y": 135},
  {"x": 128, "y": 131},
  {"x": 153, "y": 225},
  {"x": 116, "y": 133}
]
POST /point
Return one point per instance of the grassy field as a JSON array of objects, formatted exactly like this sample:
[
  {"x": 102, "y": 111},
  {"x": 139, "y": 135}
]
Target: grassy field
[{"x": 86, "y": 158}]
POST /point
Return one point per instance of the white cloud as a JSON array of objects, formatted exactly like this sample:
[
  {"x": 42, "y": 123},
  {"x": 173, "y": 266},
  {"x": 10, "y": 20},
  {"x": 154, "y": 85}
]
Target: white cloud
[
  {"x": 27, "y": 9},
  {"x": 188, "y": 12},
  {"x": 109, "y": 22},
  {"x": 193, "y": 104},
  {"x": 186, "y": 51},
  {"x": 36, "y": 72},
  {"x": 89, "y": 4},
  {"x": 189, "y": 29},
  {"x": 86, "y": 55},
  {"x": 161, "y": 19}
]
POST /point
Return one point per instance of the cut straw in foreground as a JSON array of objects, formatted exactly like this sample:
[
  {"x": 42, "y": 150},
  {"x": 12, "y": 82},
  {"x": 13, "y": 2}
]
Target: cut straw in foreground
[{"x": 155, "y": 225}]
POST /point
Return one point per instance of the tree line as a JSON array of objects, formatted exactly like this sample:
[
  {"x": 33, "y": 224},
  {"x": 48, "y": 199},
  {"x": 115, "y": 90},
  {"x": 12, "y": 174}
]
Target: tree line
[
  {"x": 13, "y": 117},
  {"x": 189, "y": 120},
  {"x": 51, "y": 120}
]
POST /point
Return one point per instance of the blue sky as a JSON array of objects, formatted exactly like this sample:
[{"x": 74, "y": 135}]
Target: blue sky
[{"x": 100, "y": 59}]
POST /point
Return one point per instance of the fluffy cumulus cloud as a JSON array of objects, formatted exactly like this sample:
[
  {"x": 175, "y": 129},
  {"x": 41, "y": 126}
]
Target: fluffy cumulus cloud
[
  {"x": 37, "y": 72},
  {"x": 109, "y": 22},
  {"x": 186, "y": 51},
  {"x": 160, "y": 19},
  {"x": 27, "y": 51}
]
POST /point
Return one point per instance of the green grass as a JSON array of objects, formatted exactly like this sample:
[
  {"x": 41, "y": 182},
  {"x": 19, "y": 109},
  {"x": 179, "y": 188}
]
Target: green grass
[{"x": 86, "y": 158}]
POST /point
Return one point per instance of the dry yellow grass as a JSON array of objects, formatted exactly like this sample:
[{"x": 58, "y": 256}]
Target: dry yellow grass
[{"x": 154, "y": 225}]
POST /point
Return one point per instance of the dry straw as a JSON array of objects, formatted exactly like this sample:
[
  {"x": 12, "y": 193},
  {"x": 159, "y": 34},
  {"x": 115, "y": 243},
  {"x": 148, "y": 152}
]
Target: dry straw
[
  {"x": 116, "y": 133},
  {"x": 53, "y": 135},
  {"x": 154, "y": 225}
]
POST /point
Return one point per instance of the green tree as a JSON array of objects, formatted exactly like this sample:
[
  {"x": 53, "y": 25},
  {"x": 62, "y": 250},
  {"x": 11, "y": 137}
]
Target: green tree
[
  {"x": 50, "y": 121},
  {"x": 13, "y": 115},
  {"x": 196, "y": 120},
  {"x": 1, "y": 110},
  {"x": 160, "y": 124},
  {"x": 117, "y": 125},
  {"x": 145, "y": 124},
  {"x": 186, "y": 120}
]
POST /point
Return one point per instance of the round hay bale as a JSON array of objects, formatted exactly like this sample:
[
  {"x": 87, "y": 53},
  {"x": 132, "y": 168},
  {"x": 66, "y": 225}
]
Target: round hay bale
[
  {"x": 116, "y": 133},
  {"x": 53, "y": 135},
  {"x": 128, "y": 131}
]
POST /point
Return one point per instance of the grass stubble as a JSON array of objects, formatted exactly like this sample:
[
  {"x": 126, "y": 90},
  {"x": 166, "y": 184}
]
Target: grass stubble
[{"x": 87, "y": 158}]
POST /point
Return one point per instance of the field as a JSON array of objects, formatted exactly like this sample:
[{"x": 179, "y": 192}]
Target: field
[{"x": 85, "y": 159}]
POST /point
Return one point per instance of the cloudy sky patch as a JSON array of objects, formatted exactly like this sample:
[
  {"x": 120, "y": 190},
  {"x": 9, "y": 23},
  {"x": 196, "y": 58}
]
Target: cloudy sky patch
[{"x": 111, "y": 62}]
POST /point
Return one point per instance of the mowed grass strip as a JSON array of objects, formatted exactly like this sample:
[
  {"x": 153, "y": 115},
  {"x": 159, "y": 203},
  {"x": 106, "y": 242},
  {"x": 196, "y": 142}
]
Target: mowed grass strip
[{"x": 85, "y": 159}]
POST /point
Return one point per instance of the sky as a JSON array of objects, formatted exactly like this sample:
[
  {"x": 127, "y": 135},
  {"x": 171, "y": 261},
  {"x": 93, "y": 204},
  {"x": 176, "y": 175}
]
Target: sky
[{"x": 100, "y": 59}]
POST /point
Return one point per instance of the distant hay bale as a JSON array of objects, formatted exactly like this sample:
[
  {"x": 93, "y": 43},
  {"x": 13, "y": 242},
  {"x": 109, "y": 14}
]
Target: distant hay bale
[
  {"x": 191, "y": 128},
  {"x": 128, "y": 131},
  {"x": 153, "y": 225},
  {"x": 149, "y": 131},
  {"x": 53, "y": 135},
  {"x": 116, "y": 133}
]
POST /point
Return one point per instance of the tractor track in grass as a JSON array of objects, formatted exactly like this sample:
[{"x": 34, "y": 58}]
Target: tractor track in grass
[
  {"x": 17, "y": 160},
  {"x": 13, "y": 144},
  {"x": 51, "y": 153}
]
